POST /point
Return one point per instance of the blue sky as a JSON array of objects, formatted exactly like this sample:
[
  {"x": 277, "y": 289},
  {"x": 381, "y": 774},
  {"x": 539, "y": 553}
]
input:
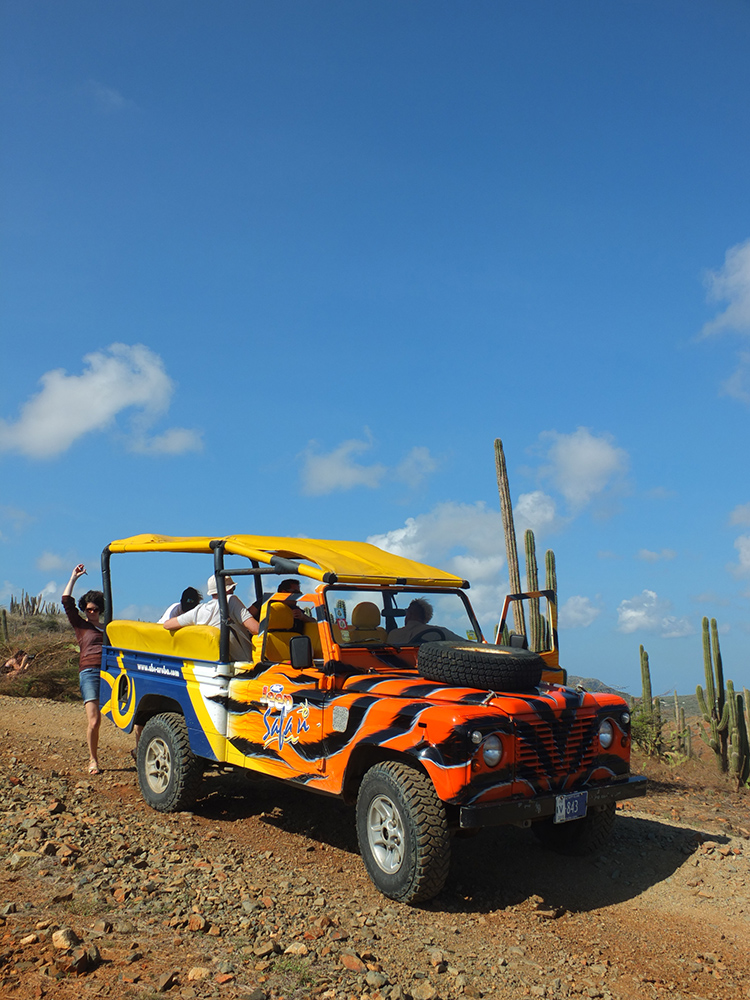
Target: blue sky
[{"x": 291, "y": 268}]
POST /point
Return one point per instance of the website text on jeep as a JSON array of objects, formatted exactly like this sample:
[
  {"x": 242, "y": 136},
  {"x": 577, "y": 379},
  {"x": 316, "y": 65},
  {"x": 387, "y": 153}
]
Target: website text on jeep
[{"x": 385, "y": 694}]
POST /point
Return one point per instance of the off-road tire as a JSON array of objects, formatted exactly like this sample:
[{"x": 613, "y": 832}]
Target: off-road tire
[
  {"x": 403, "y": 832},
  {"x": 492, "y": 668},
  {"x": 579, "y": 837},
  {"x": 169, "y": 773}
]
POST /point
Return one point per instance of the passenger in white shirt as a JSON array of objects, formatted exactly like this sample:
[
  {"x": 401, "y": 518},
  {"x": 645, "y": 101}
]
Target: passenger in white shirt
[{"x": 209, "y": 612}]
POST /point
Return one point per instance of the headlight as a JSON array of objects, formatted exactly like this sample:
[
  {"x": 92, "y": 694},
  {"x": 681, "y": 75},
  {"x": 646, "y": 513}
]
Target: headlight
[
  {"x": 492, "y": 751},
  {"x": 625, "y": 718},
  {"x": 476, "y": 737},
  {"x": 606, "y": 734}
]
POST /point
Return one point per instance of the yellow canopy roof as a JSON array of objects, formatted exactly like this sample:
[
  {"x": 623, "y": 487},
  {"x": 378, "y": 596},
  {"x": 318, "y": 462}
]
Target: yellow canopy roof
[{"x": 351, "y": 562}]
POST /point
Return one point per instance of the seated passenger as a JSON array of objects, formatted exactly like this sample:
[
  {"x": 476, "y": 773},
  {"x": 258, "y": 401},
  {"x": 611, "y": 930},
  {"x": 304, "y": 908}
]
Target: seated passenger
[
  {"x": 292, "y": 592},
  {"x": 418, "y": 614},
  {"x": 209, "y": 613},
  {"x": 190, "y": 599}
]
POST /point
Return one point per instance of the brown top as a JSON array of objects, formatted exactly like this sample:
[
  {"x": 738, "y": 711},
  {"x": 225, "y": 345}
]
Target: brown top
[{"x": 90, "y": 638}]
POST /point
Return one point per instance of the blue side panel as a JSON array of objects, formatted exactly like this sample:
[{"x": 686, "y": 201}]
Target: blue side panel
[{"x": 133, "y": 682}]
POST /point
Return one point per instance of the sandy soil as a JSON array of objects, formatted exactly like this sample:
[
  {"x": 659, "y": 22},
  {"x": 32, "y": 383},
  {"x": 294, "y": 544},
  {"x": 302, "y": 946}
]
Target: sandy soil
[{"x": 260, "y": 893}]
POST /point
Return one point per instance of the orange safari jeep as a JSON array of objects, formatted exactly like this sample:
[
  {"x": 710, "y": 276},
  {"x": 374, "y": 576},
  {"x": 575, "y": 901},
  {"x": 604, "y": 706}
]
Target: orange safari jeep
[{"x": 383, "y": 693}]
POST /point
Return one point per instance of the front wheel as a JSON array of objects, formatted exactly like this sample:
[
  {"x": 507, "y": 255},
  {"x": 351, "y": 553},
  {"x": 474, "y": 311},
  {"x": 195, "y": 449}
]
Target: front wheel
[
  {"x": 403, "y": 832},
  {"x": 579, "y": 837},
  {"x": 169, "y": 773}
]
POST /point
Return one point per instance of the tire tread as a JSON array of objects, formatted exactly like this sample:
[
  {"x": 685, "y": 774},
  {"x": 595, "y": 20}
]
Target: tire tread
[
  {"x": 482, "y": 666},
  {"x": 187, "y": 769},
  {"x": 432, "y": 847}
]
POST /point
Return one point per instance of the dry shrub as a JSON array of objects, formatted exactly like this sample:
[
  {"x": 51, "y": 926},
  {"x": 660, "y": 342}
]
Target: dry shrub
[{"x": 53, "y": 673}]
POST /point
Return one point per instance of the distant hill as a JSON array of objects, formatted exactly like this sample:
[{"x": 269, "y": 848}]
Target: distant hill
[
  {"x": 597, "y": 686},
  {"x": 687, "y": 701}
]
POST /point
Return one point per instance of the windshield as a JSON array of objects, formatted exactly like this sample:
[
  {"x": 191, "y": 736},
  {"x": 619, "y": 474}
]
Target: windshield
[{"x": 397, "y": 618}]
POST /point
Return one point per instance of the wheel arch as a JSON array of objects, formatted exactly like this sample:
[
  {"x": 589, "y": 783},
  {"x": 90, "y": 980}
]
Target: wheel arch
[
  {"x": 366, "y": 756},
  {"x": 155, "y": 704}
]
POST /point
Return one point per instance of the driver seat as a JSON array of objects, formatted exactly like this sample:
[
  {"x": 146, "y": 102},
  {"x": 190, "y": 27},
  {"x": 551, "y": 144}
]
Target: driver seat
[{"x": 366, "y": 623}]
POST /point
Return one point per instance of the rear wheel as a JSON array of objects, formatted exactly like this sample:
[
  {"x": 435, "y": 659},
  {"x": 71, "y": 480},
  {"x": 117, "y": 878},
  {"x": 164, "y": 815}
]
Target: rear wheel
[
  {"x": 169, "y": 773},
  {"x": 403, "y": 832},
  {"x": 579, "y": 837}
]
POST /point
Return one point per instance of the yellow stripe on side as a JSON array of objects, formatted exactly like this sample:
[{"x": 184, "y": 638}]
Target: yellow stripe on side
[
  {"x": 217, "y": 740},
  {"x": 121, "y": 719}
]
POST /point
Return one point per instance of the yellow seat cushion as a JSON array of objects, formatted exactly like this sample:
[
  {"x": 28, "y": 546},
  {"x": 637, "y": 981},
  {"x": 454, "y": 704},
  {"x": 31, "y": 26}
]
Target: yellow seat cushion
[{"x": 194, "y": 642}]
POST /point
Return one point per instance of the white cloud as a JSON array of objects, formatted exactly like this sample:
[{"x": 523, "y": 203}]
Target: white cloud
[
  {"x": 140, "y": 612},
  {"x": 582, "y": 465},
  {"x": 738, "y": 384},
  {"x": 711, "y": 597},
  {"x": 49, "y": 561},
  {"x": 731, "y": 284},
  {"x": 465, "y": 539},
  {"x": 176, "y": 441},
  {"x": 108, "y": 99},
  {"x": 475, "y": 528},
  {"x": 648, "y": 556},
  {"x": 740, "y": 514},
  {"x": 327, "y": 472},
  {"x": 120, "y": 378},
  {"x": 535, "y": 511},
  {"x": 648, "y": 613},
  {"x": 742, "y": 566},
  {"x": 17, "y": 519},
  {"x": 337, "y": 470},
  {"x": 415, "y": 468},
  {"x": 578, "y": 612}
]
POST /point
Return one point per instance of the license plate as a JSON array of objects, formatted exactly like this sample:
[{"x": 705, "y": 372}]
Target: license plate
[{"x": 568, "y": 807}]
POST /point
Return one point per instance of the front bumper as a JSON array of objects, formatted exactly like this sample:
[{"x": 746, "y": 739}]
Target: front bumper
[{"x": 522, "y": 811}]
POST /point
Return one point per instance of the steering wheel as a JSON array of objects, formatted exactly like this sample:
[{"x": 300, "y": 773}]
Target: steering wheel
[{"x": 421, "y": 636}]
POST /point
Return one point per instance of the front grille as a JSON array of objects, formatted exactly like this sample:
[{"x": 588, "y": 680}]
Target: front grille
[{"x": 555, "y": 746}]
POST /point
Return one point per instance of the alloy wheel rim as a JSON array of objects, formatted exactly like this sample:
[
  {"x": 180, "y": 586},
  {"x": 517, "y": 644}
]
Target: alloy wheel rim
[
  {"x": 158, "y": 765},
  {"x": 385, "y": 834}
]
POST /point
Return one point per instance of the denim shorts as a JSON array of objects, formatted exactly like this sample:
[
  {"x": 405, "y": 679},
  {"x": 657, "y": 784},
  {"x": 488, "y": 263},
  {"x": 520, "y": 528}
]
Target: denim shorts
[{"x": 89, "y": 681}]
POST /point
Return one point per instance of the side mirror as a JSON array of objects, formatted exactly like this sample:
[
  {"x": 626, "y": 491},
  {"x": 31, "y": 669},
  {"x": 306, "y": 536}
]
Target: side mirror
[
  {"x": 301, "y": 652},
  {"x": 518, "y": 642}
]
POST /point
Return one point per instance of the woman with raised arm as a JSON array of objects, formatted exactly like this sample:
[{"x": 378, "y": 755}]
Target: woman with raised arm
[{"x": 90, "y": 635}]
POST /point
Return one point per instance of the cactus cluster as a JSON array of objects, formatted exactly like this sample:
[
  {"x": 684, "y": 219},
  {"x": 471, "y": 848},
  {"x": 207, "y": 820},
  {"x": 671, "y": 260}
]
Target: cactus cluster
[
  {"x": 738, "y": 750},
  {"x": 713, "y": 702},
  {"x": 541, "y": 629},
  {"x": 647, "y": 720},
  {"x": 724, "y": 711},
  {"x": 27, "y": 606}
]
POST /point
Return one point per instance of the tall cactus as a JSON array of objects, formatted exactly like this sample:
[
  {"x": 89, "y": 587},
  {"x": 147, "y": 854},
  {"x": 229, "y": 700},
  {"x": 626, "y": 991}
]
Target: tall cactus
[
  {"x": 647, "y": 701},
  {"x": 739, "y": 754},
  {"x": 536, "y": 630},
  {"x": 713, "y": 704},
  {"x": 506, "y": 509},
  {"x": 679, "y": 725},
  {"x": 688, "y": 734},
  {"x": 3, "y": 625},
  {"x": 550, "y": 583}
]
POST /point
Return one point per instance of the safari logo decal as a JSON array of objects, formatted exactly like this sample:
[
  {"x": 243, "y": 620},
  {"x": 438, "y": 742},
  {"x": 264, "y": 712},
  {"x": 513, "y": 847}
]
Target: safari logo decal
[{"x": 284, "y": 723}]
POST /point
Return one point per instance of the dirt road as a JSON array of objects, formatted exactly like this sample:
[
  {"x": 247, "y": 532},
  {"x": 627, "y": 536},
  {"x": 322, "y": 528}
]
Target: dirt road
[{"x": 261, "y": 893}]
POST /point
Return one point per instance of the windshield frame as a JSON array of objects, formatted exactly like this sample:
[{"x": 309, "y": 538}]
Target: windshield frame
[{"x": 392, "y": 621}]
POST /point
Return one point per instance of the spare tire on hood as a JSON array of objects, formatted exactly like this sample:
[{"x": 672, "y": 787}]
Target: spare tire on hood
[{"x": 480, "y": 665}]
